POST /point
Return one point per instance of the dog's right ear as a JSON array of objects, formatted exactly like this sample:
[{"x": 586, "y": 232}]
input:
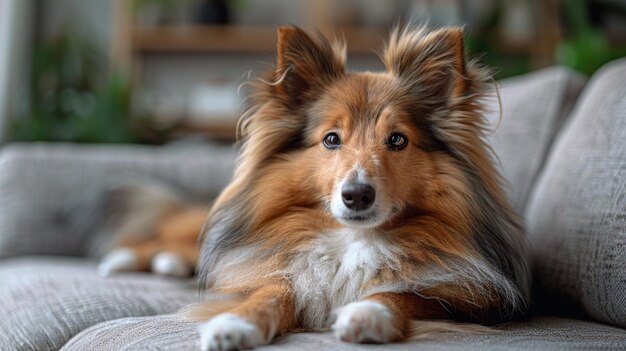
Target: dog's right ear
[{"x": 306, "y": 65}]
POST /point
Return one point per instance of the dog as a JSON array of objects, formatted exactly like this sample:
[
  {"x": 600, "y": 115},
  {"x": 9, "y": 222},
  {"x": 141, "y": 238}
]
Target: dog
[
  {"x": 369, "y": 195},
  {"x": 363, "y": 202}
]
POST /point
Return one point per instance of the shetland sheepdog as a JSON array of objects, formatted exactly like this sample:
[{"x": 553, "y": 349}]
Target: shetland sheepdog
[{"x": 362, "y": 202}]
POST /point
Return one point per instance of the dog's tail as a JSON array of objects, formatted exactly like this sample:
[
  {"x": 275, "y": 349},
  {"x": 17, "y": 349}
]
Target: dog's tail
[
  {"x": 424, "y": 329},
  {"x": 123, "y": 212}
]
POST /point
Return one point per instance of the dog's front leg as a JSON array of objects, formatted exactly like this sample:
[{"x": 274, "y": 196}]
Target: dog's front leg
[
  {"x": 265, "y": 313},
  {"x": 384, "y": 317}
]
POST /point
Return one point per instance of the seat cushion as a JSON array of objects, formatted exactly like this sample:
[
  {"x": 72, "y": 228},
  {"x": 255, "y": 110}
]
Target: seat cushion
[
  {"x": 577, "y": 213},
  {"x": 172, "y": 333},
  {"x": 534, "y": 107},
  {"x": 44, "y": 302}
]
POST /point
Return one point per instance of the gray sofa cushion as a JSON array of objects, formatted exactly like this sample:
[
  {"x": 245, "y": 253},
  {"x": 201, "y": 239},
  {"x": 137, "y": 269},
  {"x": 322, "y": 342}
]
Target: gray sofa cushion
[
  {"x": 50, "y": 302},
  {"x": 172, "y": 333},
  {"x": 577, "y": 213},
  {"x": 534, "y": 107},
  {"x": 37, "y": 180},
  {"x": 46, "y": 301}
]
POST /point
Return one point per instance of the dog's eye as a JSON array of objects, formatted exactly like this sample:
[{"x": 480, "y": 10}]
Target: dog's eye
[
  {"x": 396, "y": 141},
  {"x": 332, "y": 141}
]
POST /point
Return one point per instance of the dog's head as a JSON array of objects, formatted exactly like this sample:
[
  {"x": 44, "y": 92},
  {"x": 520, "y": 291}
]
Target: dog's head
[{"x": 371, "y": 139}]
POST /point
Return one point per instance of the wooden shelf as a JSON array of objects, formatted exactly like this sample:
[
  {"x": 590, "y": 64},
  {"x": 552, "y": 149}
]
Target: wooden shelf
[
  {"x": 235, "y": 39},
  {"x": 222, "y": 131}
]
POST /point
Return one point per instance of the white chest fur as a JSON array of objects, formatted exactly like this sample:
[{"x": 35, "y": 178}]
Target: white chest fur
[{"x": 334, "y": 270}]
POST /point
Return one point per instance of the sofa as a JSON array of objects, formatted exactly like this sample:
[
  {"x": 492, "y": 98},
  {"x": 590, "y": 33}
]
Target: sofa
[{"x": 560, "y": 141}]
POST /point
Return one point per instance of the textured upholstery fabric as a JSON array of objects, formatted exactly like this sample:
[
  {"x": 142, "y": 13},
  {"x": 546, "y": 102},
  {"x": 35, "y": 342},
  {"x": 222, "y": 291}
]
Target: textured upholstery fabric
[
  {"x": 577, "y": 214},
  {"x": 37, "y": 179},
  {"x": 534, "y": 107},
  {"x": 171, "y": 333},
  {"x": 44, "y": 301},
  {"x": 50, "y": 302}
]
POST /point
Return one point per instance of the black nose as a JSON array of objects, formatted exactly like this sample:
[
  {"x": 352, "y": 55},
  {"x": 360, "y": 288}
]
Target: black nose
[{"x": 357, "y": 196}]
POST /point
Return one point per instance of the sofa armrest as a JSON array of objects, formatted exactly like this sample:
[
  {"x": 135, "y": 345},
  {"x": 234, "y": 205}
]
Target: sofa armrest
[{"x": 37, "y": 180}]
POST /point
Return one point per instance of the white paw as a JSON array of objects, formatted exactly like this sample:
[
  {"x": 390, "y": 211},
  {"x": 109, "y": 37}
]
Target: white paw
[
  {"x": 229, "y": 332},
  {"x": 172, "y": 264},
  {"x": 365, "y": 321},
  {"x": 118, "y": 260}
]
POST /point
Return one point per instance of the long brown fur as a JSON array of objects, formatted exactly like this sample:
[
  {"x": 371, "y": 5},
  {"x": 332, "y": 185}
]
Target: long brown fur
[{"x": 450, "y": 246}]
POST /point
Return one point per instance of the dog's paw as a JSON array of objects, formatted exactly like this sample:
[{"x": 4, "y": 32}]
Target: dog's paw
[
  {"x": 365, "y": 321},
  {"x": 171, "y": 264},
  {"x": 229, "y": 332},
  {"x": 118, "y": 260}
]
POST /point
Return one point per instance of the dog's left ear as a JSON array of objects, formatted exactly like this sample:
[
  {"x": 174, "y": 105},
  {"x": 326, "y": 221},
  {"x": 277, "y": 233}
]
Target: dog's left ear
[
  {"x": 306, "y": 65},
  {"x": 433, "y": 64}
]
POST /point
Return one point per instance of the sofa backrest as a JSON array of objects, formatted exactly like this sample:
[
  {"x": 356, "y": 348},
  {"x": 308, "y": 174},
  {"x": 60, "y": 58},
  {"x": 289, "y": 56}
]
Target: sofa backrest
[
  {"x": 576, "y": 215},
  {"x": 39, "y": 180},
  {"x": 534, "y": 107}
]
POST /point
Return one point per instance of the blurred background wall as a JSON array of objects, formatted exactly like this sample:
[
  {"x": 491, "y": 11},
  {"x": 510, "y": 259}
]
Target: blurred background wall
[
  {"x": 150, "y": 71},
  {"x": 16, "y": 40}
]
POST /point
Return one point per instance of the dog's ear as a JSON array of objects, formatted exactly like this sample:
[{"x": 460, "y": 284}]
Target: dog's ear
[
  {"x": 306, "y": 65},
  {"x": 433, "y": 65}
]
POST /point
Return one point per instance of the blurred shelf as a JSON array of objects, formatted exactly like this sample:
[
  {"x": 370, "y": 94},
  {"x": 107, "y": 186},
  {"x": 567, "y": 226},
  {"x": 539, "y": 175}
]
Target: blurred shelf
[
  {"x": 222, "y": 130},
  {"x": 235, "y": 39},
  {"x": 134, "y": 43},
  {"x": 221, "y": 127}
]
